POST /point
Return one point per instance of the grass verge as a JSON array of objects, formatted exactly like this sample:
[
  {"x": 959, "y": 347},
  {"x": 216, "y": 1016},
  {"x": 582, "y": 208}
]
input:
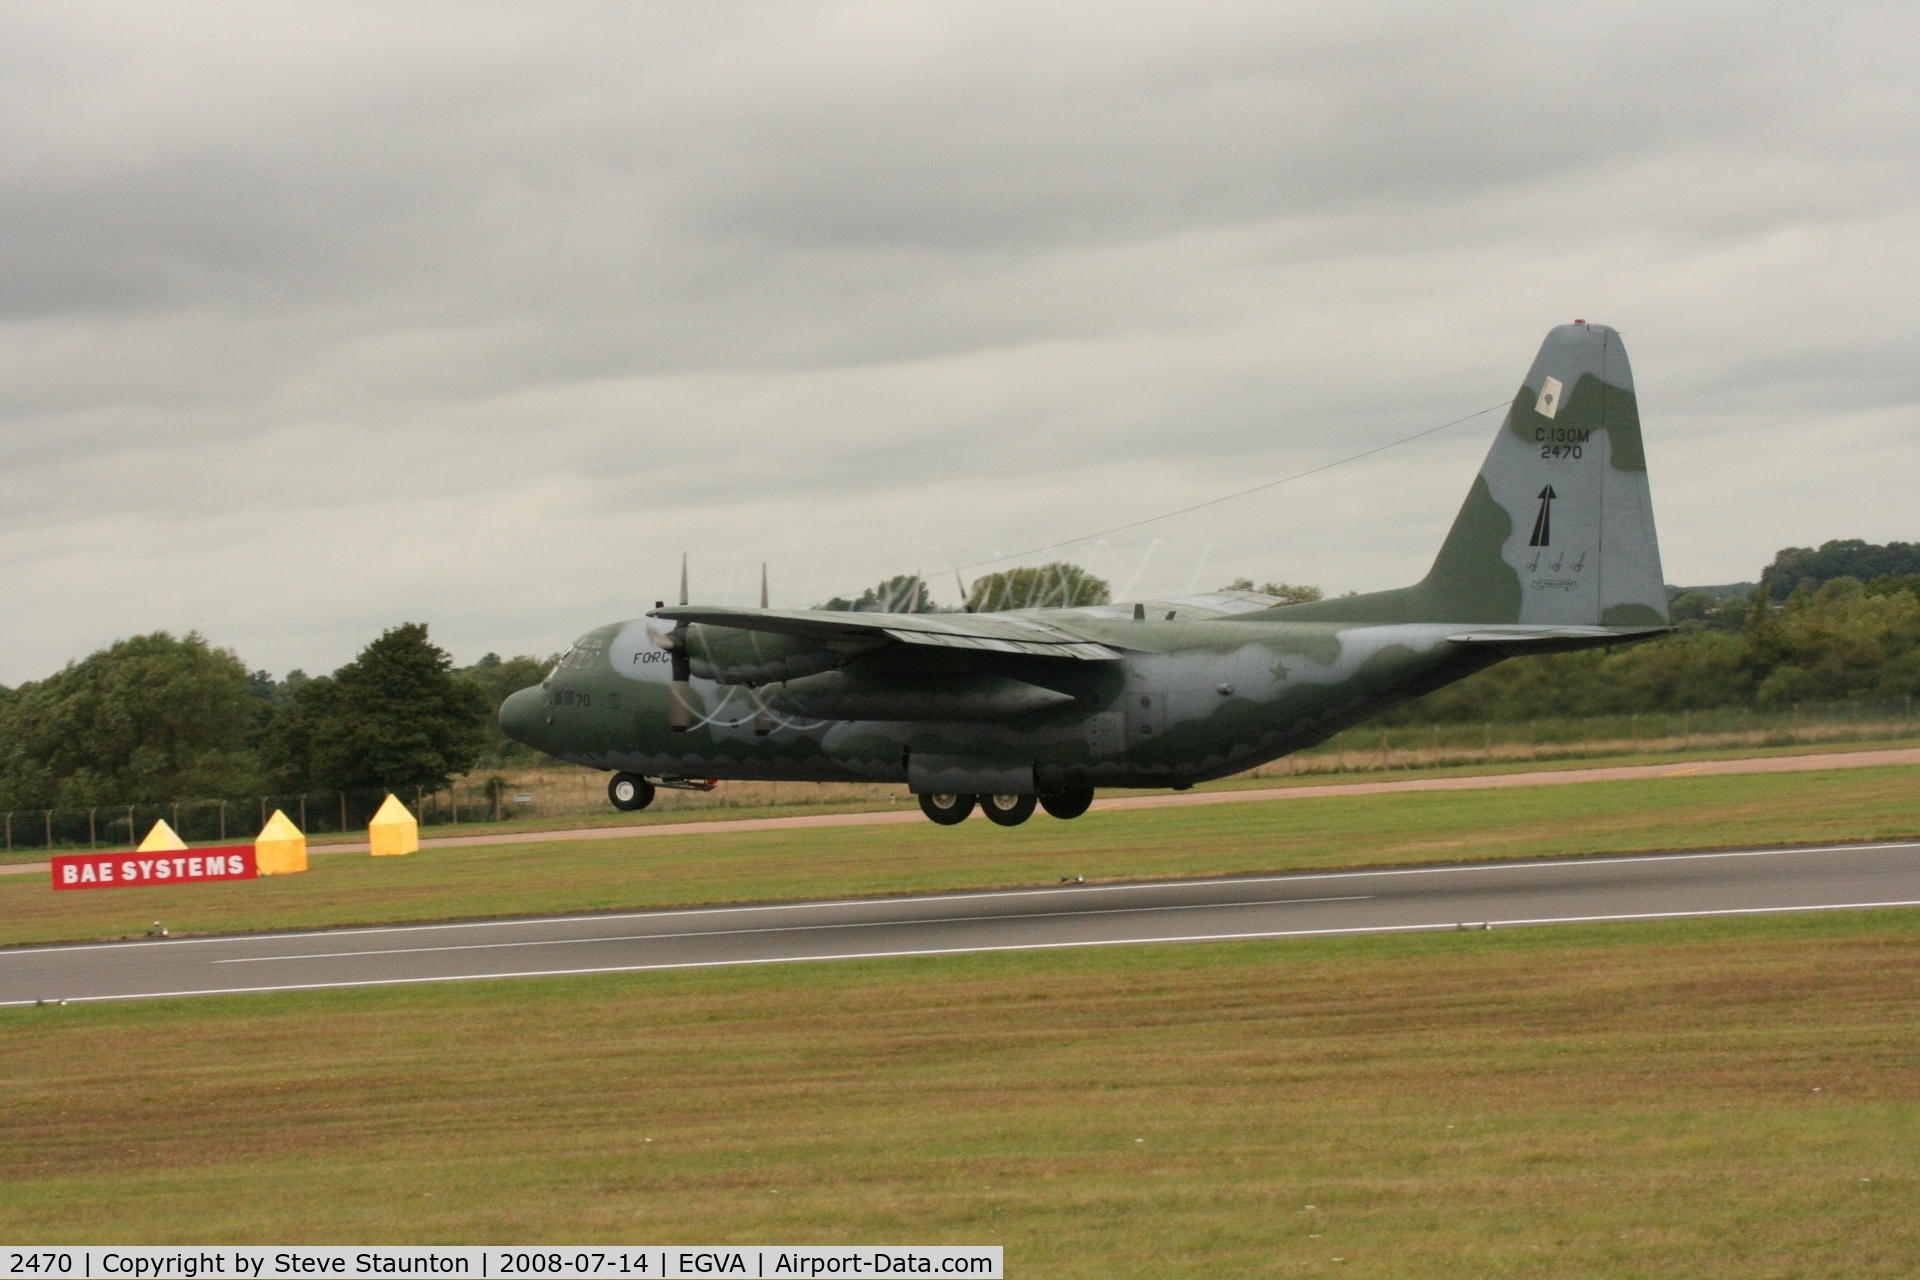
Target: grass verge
[
  {"x": 1677, "y": 1099},
  {"x": 730, "y": 801},
  {"x": 1323, "y": 831}
]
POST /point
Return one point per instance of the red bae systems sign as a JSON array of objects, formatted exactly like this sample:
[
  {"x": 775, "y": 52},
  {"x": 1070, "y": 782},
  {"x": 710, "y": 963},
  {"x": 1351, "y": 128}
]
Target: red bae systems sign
[{"x": 131, "y": 870}]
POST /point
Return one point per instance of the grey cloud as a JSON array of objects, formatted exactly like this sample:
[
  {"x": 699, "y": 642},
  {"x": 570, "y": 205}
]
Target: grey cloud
[{"x": 312, "y": 320}]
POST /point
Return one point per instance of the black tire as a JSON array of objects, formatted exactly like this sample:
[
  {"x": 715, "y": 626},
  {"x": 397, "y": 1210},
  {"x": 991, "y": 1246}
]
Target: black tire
[
  {"x": 1069, "y": 802},
  {"x": 946, "y": 810},
  {"x": 1008, "y": 810},
  {"x": 629, "y": 792}
]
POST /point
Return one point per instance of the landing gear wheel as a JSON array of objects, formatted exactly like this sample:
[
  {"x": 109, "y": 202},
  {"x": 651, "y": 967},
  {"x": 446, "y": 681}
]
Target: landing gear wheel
[
  {"x": 629, "y": 791},
  {"x": 947, "y": 810},
  {"x": 1068, "y": 802},
  {"x": 1008, "y": 810}
]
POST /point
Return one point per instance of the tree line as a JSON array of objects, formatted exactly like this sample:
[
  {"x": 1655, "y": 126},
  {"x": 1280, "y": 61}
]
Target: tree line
[
  {"x": 1834, "y": 623},
  {"x": 1047, "y": 586},
  {"x": 159, "y": 717},
  {"x": 1844, "y": 641}
]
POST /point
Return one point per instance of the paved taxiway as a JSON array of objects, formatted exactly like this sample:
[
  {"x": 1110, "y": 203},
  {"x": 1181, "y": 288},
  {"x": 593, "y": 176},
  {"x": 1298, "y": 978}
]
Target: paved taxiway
[{"x": 1499, "y": 895}]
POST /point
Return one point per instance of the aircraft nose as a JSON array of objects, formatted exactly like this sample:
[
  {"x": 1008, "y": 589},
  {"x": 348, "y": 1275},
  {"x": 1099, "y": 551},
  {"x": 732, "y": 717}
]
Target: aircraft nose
[{"x": 523, "y": 716}]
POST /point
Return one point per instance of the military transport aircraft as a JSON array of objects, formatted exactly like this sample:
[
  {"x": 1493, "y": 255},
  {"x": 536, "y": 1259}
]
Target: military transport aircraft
[{"x": 1554, "y": 549}]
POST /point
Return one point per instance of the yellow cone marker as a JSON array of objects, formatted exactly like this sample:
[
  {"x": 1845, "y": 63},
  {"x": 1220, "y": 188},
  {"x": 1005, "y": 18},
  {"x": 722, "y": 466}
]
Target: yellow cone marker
[
  {"x": 393, "y": 830},
  {"x": 280, "y": 850},
  {"x": 161, "y": 839}
]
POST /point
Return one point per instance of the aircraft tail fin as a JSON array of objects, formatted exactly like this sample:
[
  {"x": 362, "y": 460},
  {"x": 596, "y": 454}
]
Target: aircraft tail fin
[{"x": 1557, "y": 529}]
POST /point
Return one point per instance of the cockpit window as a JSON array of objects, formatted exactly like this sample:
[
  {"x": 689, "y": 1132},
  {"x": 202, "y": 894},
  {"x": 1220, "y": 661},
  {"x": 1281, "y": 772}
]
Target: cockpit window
[{"x": 583, "y": 653}]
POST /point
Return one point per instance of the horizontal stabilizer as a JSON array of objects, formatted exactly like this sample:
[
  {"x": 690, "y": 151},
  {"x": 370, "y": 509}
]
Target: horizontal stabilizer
[{"x": 1518, "y": 641}]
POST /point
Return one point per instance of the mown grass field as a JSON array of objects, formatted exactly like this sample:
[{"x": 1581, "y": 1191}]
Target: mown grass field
[
  {"x": 1677, "y": 1099},
  {"x": 721, "y": 866}
]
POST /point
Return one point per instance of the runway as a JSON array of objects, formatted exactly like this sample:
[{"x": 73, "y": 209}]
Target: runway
[{"x": 1401, "y": 899}]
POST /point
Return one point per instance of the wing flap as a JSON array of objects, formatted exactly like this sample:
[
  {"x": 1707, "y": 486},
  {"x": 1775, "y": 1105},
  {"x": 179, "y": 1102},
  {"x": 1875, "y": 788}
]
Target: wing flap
[
  {"x": 995, "y": 633},
  {"x": 1085, "y": 650}
]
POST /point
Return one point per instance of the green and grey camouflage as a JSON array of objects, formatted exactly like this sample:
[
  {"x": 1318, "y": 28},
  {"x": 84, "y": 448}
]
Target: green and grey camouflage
[{"x": 1554, "y": 549}]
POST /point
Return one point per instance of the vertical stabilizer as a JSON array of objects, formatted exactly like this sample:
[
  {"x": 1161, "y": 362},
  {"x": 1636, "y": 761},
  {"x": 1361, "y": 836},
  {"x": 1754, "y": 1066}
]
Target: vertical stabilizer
[
  {"x": 1569, "y": 472},
  {"x": 1558, "y": 526}
]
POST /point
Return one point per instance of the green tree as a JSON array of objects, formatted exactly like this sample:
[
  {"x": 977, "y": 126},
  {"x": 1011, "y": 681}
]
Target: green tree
[
  {"x": 1796, "y": 567},
  {"x": 500, "y": 678},
  {"x": 902, "y": 593},
  {"x": 1676, "y": 673},
  {"x": 1844, "y": 641},
  {"x": 1698, "y": 610},
  {"x": 148, "y": 718},
  {"x": 1841, "y": 642},
  {"x": 1047, "y": 586},
  {"x": 1760, "y": 651},
  {"x": 396, "y": 716},
  {"x": 1888, "y": 584},
  {"x": 1288, "y": 592}
]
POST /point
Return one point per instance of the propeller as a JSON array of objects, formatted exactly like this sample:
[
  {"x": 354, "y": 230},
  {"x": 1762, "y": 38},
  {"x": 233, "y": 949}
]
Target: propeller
[
  {"x": 762, "y": 718},
  {"x": 680, "y": 709},
  {"x": 680, "y": 691}
]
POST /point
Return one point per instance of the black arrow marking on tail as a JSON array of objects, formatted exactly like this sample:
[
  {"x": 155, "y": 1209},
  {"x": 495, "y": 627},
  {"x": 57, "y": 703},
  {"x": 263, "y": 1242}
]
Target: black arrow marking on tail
[{"x": 1543, "y": 523}]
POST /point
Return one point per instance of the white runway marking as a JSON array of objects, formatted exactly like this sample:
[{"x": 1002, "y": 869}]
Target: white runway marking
[
  {"x": 791, "y": 928},
  {"x": 955, "y": 951}
]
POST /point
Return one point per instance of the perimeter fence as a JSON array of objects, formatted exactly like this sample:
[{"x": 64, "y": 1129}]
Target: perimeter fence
[
  {"x": 527, "y": 796},
  {"x": 229, "y": 819}
]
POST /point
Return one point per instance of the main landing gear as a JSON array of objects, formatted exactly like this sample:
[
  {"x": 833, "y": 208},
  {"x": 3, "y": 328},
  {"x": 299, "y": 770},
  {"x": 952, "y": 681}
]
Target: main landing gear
[
  {"x": 1006, "y": 810},
  {"x": 1068, "y": 803},
  {"x": 947, "y": 810},
  {"x": 629, "y": 792}
]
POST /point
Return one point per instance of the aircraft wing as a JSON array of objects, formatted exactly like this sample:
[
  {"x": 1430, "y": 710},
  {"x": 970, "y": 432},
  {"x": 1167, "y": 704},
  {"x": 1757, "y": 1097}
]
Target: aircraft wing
[
  {"x": 993, "y": 632},
  {"x": 1515, "y": 642}
]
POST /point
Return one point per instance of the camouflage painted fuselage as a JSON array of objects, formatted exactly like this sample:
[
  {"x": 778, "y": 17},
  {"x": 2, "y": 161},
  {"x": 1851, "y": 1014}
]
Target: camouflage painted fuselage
[
  {"x": 1554, "y": 549},
  {"x": 1203, "y": 695}
]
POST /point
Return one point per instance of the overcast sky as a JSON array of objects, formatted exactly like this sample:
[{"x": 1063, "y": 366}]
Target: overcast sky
[{"x": 315, "y": 319}]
